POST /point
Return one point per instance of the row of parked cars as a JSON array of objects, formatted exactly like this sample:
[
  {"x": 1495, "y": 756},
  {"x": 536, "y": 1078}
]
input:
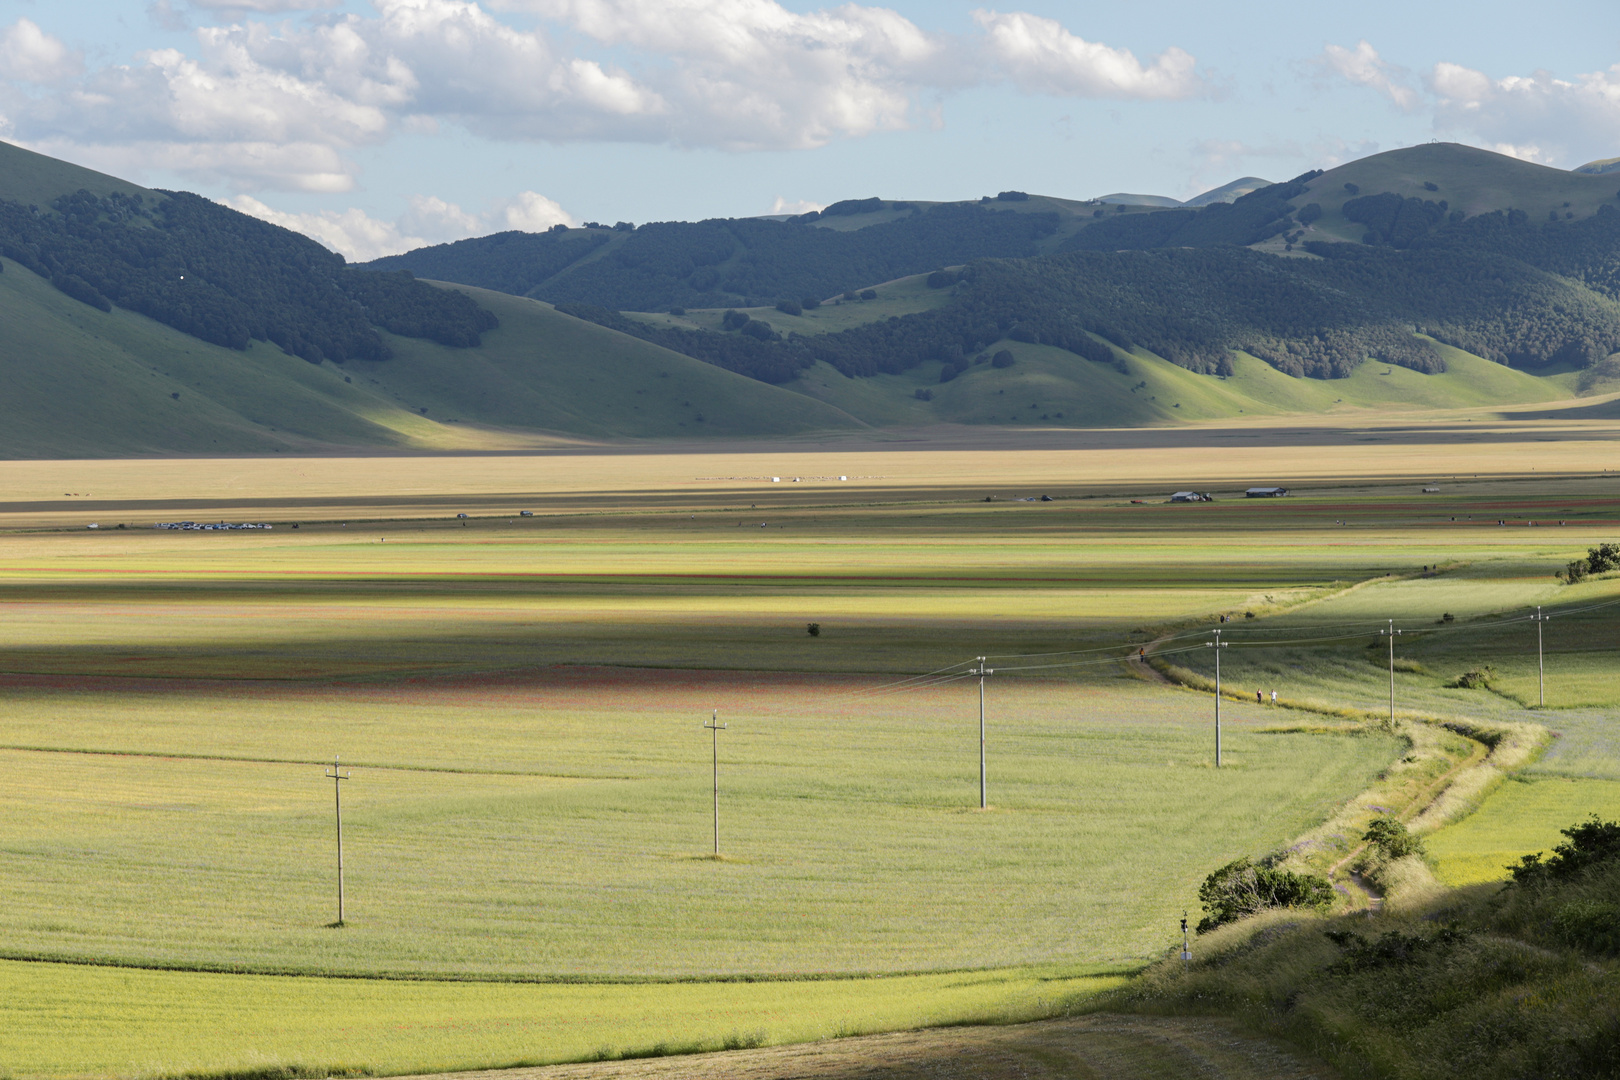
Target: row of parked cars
[{"x": 196, "y": 526}]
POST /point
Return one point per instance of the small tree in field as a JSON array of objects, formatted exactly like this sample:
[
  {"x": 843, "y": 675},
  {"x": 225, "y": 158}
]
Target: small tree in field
[{"x": 1243, "y": 888}]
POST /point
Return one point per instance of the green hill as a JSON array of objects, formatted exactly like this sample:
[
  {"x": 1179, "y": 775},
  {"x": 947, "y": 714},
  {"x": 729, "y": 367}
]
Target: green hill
[
  {"x": 81, "y": 382},
  {"x": 1466, "y": 178},
  {"x": 34, "y": 179}
]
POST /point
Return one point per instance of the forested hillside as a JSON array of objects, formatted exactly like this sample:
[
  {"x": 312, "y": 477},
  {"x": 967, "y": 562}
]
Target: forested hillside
[
  {"x": 728, "y": 262},
  {"x": 224, "y": 277}
]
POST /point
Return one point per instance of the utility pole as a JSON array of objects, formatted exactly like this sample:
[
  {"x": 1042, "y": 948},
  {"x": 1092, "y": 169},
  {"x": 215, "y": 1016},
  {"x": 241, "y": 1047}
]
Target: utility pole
[
  {"x": 1217, "y": 645},
  {"x": 1541, "y": 663},
  {"x": 981, "y": 671},
  {"x": 338, "y": 776},
  {"x": 1391, "y": 632},
  {"x": 716, "y": 727}
]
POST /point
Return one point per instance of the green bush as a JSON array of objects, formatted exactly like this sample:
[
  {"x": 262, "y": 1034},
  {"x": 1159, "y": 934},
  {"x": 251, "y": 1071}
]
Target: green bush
[
  {"x": 1243, "y": 888},
  {"x": 1590, "y": 843},
  {"x": 1477, "y": 679},
  {"x": 1392, "y": 839}
]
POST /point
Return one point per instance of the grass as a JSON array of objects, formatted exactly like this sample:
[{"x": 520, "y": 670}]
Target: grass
[
  {"x": 548, "y": 825},
  {"x": 1467, "y": 178},
  {"x": 1522, "y": 818},
  {"x": 86, "y": 384},
  {"x": 53, "y": 1019},
  {"x": 521, "y": 700}
]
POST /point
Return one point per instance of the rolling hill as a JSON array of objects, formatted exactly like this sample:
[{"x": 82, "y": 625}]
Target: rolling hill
[{"x": 1433, "y": 277}]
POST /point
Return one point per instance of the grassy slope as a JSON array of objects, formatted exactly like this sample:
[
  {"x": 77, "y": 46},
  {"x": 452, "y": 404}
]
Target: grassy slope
[
  {"x": 545, "y": 370},
  {"x": 83, "y": 383},
  {"x": 1468, "y": 178},
  {"x": 32, "y": 178},
  {"x": 1067, "y": 391}
]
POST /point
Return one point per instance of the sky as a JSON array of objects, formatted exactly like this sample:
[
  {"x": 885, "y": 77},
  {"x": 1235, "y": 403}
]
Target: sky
[{"x": 377, "y": 126}]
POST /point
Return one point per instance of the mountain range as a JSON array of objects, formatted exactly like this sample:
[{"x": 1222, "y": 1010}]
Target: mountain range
[{"x": 143, "y": 321}]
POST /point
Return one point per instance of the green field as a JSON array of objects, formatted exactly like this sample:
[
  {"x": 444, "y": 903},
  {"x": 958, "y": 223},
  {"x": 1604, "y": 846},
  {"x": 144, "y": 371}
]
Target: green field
[
  {"x": 521, "y": 700},
  {"x": 171, "y": 1023}
]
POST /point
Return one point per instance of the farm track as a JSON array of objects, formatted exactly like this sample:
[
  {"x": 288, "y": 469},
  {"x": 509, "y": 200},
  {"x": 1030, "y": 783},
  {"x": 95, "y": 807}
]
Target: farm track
[{"x": 1099, "y": 1046}]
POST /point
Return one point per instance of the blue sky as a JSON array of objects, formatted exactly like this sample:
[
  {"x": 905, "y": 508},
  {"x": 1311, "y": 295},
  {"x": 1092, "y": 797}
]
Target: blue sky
[{"x": 377, "y": 125}]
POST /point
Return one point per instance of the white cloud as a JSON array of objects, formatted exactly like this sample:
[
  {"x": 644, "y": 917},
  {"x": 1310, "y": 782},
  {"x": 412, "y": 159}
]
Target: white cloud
[
  {"x": 1538, "y": 117},
  {"x": 746, "y": 74},
  {"x": 264, "y": 6},
  {"x": 428, "y": 219},
  {"x": 795, "y": 206},
  {"x": 352, "y": 232},
  {"x": 285, "y": 105},
  {"x": 1364, "y": 67},
  {"x": 28, "y": 54},
  {"x": 1041, "y": 56},
  {"x": 1535, "y": 117},
  {"x": 532, "y": 212}
]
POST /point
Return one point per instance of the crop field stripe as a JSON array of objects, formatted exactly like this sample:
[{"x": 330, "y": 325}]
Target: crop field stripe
[{"x": 312, "y": 763}]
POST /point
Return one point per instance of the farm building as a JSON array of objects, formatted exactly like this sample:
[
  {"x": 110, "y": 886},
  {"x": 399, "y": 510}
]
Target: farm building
[
  {"x": 1265, "y": 493},
  {"x": 1191, "y": 496}
]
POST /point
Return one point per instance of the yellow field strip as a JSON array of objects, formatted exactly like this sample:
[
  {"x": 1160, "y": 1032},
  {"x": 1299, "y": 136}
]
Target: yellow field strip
[{"x": 70, "y": 1021}]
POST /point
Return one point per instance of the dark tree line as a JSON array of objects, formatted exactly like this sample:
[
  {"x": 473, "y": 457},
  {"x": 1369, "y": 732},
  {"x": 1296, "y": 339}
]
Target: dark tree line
[
  {"x": 743, "y": 262},
  {"x": 509, "y": 262},
  {"x": 226, "y": 277},
  {"x": 1249, "y": 219},
  {"x": 756, "y": 351},
  {"x": 1194, "y": 306}
]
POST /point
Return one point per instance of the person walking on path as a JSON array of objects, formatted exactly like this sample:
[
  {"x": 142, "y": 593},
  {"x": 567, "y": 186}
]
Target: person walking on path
[
  {"x": 1259, "y": 697},
  {"x": 1274, "y": 697}
]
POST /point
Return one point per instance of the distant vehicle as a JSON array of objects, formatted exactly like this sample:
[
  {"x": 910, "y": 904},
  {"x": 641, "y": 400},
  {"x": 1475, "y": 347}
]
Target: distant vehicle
[
  {"x": 525, "y": 513},
  {"x": 1265, "y": 493},
  {"x": 1431, "y": 491},
  {"x": 92, "y": 525},
  {"x": 1191, "y": 496},
  {"x": 461, "y": 515},
  {"x": 1046, "y": 498}
]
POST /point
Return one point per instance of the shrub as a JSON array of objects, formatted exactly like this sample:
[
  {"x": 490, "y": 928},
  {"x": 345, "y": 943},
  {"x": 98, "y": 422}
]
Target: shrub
[
  {"x": 764, "y": 331},
  {"x": 789, "y": 307},
  {"x": 1390, "y": 836},
  {"x": 734, "y": 320},
  {"x": 1002, "y": 359},
  {"x": 677, "y": 311},
  {"x": 1448, "y": 617},
  {"x": 1477, "y": 679},
  {"x": 1242, "y": 888},
  {"x": 814, "y": 629},
  {"x": 1603, "y": 558},
  {"x": 1574, "y": 573},
  {"x": 1013, "y": 196},
  {"x": 1588, "y": 924},
  {"x": 1309, "y": 213},
  {"x": 809, "y": 303},
  {"x": 941, "y": 279},
  {"x": 924, "y": 394},
  {"x": 868, "y": 294},
  {"x": 1590, "y": 843}
]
